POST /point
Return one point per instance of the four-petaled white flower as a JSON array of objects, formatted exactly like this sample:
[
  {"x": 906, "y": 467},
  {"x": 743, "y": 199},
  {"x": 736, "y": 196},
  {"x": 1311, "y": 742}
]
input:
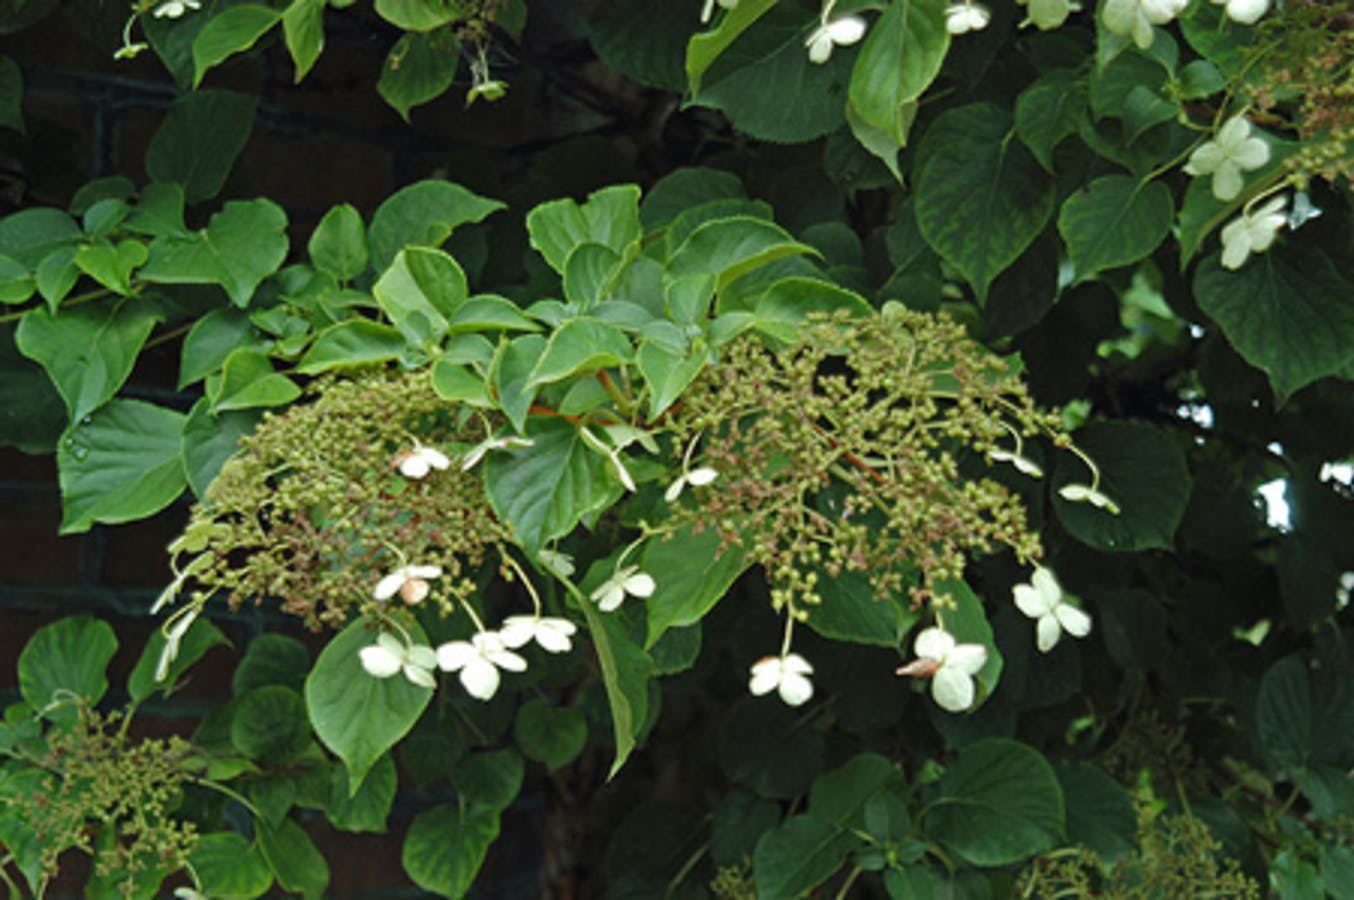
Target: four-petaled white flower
[
  {"x": 699, "y": 477},
  {"x": 1247, "y": 12},
  {"x": 1042, "y": 600},
  {"x": 390, "y": 655},
  {"x": 551, "y": 633},
  {"x": 1252, "y": 232},
  {"x": 477, "y": 452},
  {"x": 961, "y": 18},
  {"x": 629, "y": 580},
  {"x": 479, "y": 660},
  {"x": 709, "y": 9},
  {"x": 1232, "y": 152},
  {"x": 417, "y": 463},
  {"x": 1024, "y": 465},
  {"x": 173, "y": 9},
  {"x": 410, "y": 582},
  {"x": 1135, "y": 18},
  {"x": 950, "y": 666},
  {"x": 173, "y": 637},
  {"x": 788, "y": 675},
  {"x": 837, "y": 33},
  {"x": 1084, "y": 493},
  {"x": 561, "y": 564}
]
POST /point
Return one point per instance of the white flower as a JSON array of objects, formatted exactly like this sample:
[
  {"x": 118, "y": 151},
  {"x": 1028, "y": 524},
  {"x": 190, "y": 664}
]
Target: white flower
[
  {"x": 1023, "y": 464},
  {"x": 1247, "y": 12},
  {"x": 1252, "y": 232},
  {"x": 417, "y": 463},
  {"x": 187, "y": 893},
  {"x": 789, "y": 675},
  {"x": 950, "y": 666},
  {"x": 173, "y": 636},
  {"x": 410, "y": 582},
  {"x": 1084, "y": 493},
  {"x": 961, "y": 18},
  {"x": 173, "y": 9},
  {"x": 838, "y": 33},
  {"x": 709, "y": 9},
  {"x": 1303, "y": 211},
  {"x": 477, "y": 452},
  {"x": 1135, "y": 18},
  {"x": 696, "y": 478},
  {"x": 552, "y": 634},
  {"x": 390, "y": 655},
  {"x": 1042, "y": 600},
  {"x": 561, "y": 564},
  {"x": 1229, "y": 154},
  {"x": 621, "y": 471},
  {"x": 629, "y": 580},
  {"x": 479, "y": 660}
]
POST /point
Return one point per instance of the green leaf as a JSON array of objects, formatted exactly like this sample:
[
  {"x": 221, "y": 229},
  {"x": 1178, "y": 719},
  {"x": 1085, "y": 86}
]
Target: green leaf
[
  {"x": 228, "y": 32},
  {"x": 900, "y": 58},
  {"x": 610, "y": 217},
  {"x": 1304, "y": 719},
  {"x": 580, "y": 345},
  {"x": 200, "y": 637},
  {"x": 11, "y": 95},
  {"x": 16, "y": 282},
  {"x": 87, "y": 351},
  {"x": 242, "y": 245},
  {"x": 589, "y": 273},
  {"x": 489, "y": 312},
  {"x": 785, "y": 305},
  {"x": 1337, "y": 870},
  {"x": 31, "y": 414},
  {"x": 420, "y": 290},
  {"x": 230, "y": 867},
  {"x": 419, "y": 15},
  {"x": 424, "y": 214},
  {"x": 667, "y": 374},
  {"x": 491, "y": 779},
  {"x": 29, "y": 235},
  {"x": 269, "y": 724},
  {"x": 730, "y": 248},
  {"x": 352, "y": 343},
  {"x": 339, "y": 243},
  {"x": 967, "y": 621},
  {"x": 445, "y": 848},
  {"x": 704, "y": 49},
  {"x": 211, "y": 340},
  {"x": 999, "y": 803},
  {"x": 111, "y": 265},
  {"x": 368, "y": 808},
  {"x": 550, "y": 735},
  {"x": 543, "y": 491},
  {"x": 120, "y": 464},
  {"x": 303, "y": 28},
  {"x": 198, "y": 142},
  {"x": 292, "y": 855},
  {"x": 357, "y": 716},
  {"x": 626, "y": 670},
  {"x": 63, "y": 662},
  {"x": 56, "y": 276},
  {"x": 271, "y": 659},
  {"x": 511, "y": 367},
  {"x": 248, "y": 381},
  {"x": 1287, "y": 312},
  {"x": 981, "y": 196},
  {"x": 418, "y": 69},
  {"x": 685, "y": 593},
  {"x": 158, "y": 211},
  {"x": 1100, "y": 813},
  {"x": 839, "y": 796},
  {"x": 851, "y": 612},
  {"x": 458, "y": 384},
  {"x": 644, "y": 39},
  {"x": 1143, "y": 470},
  {"x": 799, "y": 855},
  {"x": 1113, "y": 221},
  {"x": 684, "y": 189}
]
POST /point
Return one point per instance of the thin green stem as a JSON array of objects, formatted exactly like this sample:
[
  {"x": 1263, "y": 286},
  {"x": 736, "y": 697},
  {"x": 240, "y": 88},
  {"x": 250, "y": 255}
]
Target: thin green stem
[
  {"x": 842, "y": 893},
  {"x": 86, "y": 297}
]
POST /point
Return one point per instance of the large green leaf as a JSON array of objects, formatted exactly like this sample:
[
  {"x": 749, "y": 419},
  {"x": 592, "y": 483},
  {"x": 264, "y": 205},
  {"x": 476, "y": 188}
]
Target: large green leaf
[
  {"x": 1049, "y": 110},
  {"x": 299, "y": 866},
  {"x": 64, "y": 662},
  {"x": 229, "y": 32},
  {"x": 610, "y": 217},
  {"x": 120, "y": 464},
  {"x": 31, "y": 414},
  {"x": 198, "y": 142},
  {"x": 242, "y": 245},
  {"x": 271, "y": 659},
  {"x": 667, "y": 374},
  {"x": 544, "y": 490},
  {"x": 1143, "y": 470},
  {"x": 839, "y": 796},
  {"x": 423, "y": 214},
  {"x": 684, "y": 593},
  {"x": 352, "y": 343},
  {"x": 982, "y": 198},
  {"x": 553, "y": 735},
  {"x": 999, "y": 803},
  {"x": 1304, "y": 719},
  {"x": 703, "y": 49},
  {"x": 303, "y": 29},
  {"x": 851, "y": 611},
  {"x": 419, "y": 15},
  {"x": 446, "y": 845},
  {"x": 269, "y": 724},
  {"x": 339, "y": 243},
  {"x": 419, "y": 68},
  {"x": 211, "y": 339},
  {"x": 230, "y": 867},
  {"x": 29, "y": 235},
  {"x": 684, "y": 189},
  {"x": 1100, "y": 813},
  {"x": 357, "y": 716},
  {"x": 200, "y": 637},
  {"x": 87, "y": 351},
  {"x": 730, "y": 248},
  {"x": 368, "y": 808},
  {"x": 799, "y": 855},
  {"x": 422, "y": 288},
  {"x": 1287, "y": 312},
  {"x": 1113, "y": 221},
  {"x": 580, "y": 345},
  {"x": 900, "y": 58},
  {"x": 626, "y": 670},
  {"x": 644, "y": 39}
]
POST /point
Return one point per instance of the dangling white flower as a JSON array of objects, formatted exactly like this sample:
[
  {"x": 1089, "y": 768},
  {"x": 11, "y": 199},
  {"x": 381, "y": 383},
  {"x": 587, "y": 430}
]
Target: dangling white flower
[
  {"x": 837, "y": 33},
  {"x": 1024, "y": 465},
  {"x": 1043, "y": 600},
  {"x": 1135, "y": 18},
  {"x": 788, "y": 675},
  {"x": 709, "y": 9},
  {"x": 1233, "y": 151},
  {"x": 479, "y": 660},
  {"x": 1303, "y": 211},
  {"x": 477, "y": 452},
  {"x": 390, "y": 655},
  {"x": 629, "y": 580},
  {"x": 1247, "y": 12},
  {"x": 1084, "y": 493},
  {"x": 173, "y": 9},
  {"x": 187, "y": 893},
  {"x": 417, "y": 463},
  {"x": 562, "y": 564},
  {"x": 699, "y": 477},
  {"x": 961, "y": 18},
  {"x": 611, "y": 454},
  {"x": 173, "y": 637},
  {"x": 551, "y": 633},
  {"x": 1252, "y": 232},
  {"x": 410, "y": 582},
  {"x": 950, "y": 666}
]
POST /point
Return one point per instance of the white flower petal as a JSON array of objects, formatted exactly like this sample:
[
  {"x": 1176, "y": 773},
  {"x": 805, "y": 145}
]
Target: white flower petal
[
  {"x": 675, "y": 489},
  {"x": 553, "y": 635},
  {"x": 379, "y": 661},
  {"x": 1046, "y": 583},
  {"x": 952, "y": 689},
  {"x": 795, "y": 689},
  {"x": 517, "y": 630},
  {"x": 1227, "y": 180},
  {"x": 701, "y": 477},
  {"x": 454, "y": 655},
  {"x": 389, "y": 585},
  {"x": 1047, "y": 631},
  {"x": 933, "y": 643},
  {"x": 414, "y": 466},
  {"x": 820, "y": 46},
  {"x": 420, "y": 676},
  {"x": 168, "y": 653},
  {"x": 641, "y": 584},
  {"x": 966, "y": 658},
  {"x": 846, "y": 30},
  {"x": 421, "y": 655},
  {"x": 506, "y": 659},
  {"x": 422, "y": 571},
  {"x": 609, "y": 596},
  {"x": 1030, "y": 601},
  {"x": 796, "y": 664},
  {"x": 765, "y": 676},
  {"x": 479, "y": 678},
  {"x": 562, "y": 564},
  {"x": 1073, "y": 620}
]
